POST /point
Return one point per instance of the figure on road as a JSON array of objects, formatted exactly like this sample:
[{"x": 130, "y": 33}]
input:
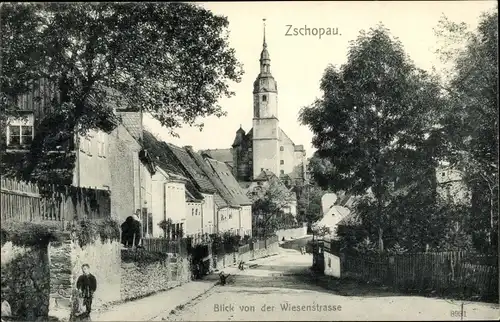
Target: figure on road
[{"x": 223, "y": 278}]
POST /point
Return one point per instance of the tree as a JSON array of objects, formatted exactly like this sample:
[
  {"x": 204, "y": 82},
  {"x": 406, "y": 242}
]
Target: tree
[
  {"x": 171, "y": 60},
  {"x": 267, "y": 207},
  {"x": 309, "y": 203},
  {"x": 470, "y": 123},
  {"x": 374, "y": 121},
  {"x": 166, "y": 226}
]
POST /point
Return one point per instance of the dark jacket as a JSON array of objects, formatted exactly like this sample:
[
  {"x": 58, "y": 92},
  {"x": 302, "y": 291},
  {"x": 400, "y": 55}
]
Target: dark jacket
[
  {"x": 130, "y": 228},
  {"x": 87, "y": 284}
]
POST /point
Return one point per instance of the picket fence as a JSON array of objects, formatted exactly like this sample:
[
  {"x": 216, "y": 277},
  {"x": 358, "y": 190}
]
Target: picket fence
[
  {"x": 180, "y": 245},
  {"x": 22, "y": 201},
  {"x": 165, "y": 245},
  {"x": 466, "y": 273}
]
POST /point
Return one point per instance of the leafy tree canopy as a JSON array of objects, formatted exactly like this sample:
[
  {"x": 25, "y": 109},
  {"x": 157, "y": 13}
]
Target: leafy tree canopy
[
  {"x": 373, "y": 127},
  {"x": 171, "y": 59}
]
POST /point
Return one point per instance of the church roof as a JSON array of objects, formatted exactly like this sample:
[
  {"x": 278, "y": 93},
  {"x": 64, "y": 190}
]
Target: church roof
[
  {"x": 234, "y": 190},
  {"x": 222, "y": 155}
]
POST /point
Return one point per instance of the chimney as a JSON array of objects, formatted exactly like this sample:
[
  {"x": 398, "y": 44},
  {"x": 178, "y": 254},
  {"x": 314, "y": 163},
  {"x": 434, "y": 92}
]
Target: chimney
[
  {"x": 132, "y": 119},
  {"x": 189, "y": 148}
]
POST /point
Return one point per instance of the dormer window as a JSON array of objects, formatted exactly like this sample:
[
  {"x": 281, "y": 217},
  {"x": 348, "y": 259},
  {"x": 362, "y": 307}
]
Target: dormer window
[{"x": 264, "y": 98}]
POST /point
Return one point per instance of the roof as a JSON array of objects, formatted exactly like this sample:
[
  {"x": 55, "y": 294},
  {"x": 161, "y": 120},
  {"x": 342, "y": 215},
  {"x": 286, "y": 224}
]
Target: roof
[
  {"x": 265, "y": 175},
  {"x": 299, "y": 147},
  {"x": 129, "y": 120},
  {"x": 168, "y": 162},
  {"x": 219, "y": 199},
  {"x": 232, "y": 187},
  {"x": 196, "y": 174},
  {"x": 222, "y": 155},
  {"x": 161, "y": 155}
]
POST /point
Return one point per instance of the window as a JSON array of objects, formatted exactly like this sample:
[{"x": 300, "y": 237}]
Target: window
[
  {"x": 230, "y": 216},
  {"x": 86, "y": 145},
  {"x": 282, "y": 162},
  {"x": 20, "y": 132},
  {"x": 192, "y": 212},
  {"x": 101, "y": 145},
  {"x": 264, "y": 98},
  {"x": 329, "y": 262},
  {"x": 282, "y": 171},
  {"x": 196, "y": 212},
  {"x": 282, "y": 148}
]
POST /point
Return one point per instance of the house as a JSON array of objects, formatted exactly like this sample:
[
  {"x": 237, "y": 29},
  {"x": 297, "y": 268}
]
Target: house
[
  {"x": 111, "y": 159},
  {"x": 63, "y": 157},
  {"x": 200, "y": 213},
  {"x": 242, "y": 219},
  {"x": 334, "y": 208},
  {"x": 227, "y": 209},
  {"x": 451, "y": 186},
  {"x": 169, "y": 192},
  {"x": 265, "y": 179}
]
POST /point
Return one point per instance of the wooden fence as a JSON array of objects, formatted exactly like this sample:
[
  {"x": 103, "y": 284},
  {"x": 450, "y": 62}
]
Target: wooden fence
[
  {"x": 469, "y": 274},
  {"x": 21, "y": 201},
  {"x": 165, "y": 245}
]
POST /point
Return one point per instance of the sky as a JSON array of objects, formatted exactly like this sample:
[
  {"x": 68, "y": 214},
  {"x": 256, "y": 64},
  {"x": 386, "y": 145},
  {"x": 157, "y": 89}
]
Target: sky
[{"x": 298, "y": 62}]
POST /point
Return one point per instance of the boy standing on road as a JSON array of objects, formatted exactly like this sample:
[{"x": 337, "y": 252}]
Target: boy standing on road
[{"x": 87, "y": 285}]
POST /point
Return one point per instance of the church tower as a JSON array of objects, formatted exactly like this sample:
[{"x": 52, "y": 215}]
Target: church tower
[{"x": 265, "y": 139}]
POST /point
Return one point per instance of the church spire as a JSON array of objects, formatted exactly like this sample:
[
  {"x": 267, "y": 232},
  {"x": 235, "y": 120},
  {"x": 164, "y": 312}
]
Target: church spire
[
  {"x": 265, "y": 60},
  {"x": 264, "y": 44}
]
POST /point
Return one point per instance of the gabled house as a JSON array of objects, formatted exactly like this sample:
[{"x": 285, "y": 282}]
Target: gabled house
[
  {"x": 200, "y": 214},
  {"x": 263, "y": 181},
  {"x": 168, "y": 188},
  {"x": 241, "y": 219}
]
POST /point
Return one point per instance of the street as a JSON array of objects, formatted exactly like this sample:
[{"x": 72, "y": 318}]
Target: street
[{"x": 282, "y": 288}]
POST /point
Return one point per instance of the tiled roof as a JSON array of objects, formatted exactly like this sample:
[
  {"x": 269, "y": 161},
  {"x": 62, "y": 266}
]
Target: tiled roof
[
  {"x": 222, "y": 155},
  {"x": 219, "y": 197},
  {"x": 129, "y": 120},
  {"x": 265, "y": 175},
  {"x": 168, "y": 162},
  {"x": 229, "y": 181},
  {"x": 299, "y": 147},
  {"x": 199, "y": 177}
]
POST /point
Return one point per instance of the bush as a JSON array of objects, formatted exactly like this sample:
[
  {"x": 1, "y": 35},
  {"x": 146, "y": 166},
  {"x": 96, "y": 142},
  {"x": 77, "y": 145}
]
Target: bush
[
  {"x": 40, "y": 234},
  {"x": 32, "y": 234},
  {"x": 87, "y": 230}
]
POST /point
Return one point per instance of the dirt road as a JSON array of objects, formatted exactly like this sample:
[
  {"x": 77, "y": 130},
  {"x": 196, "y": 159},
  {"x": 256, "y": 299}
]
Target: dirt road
[{"x": 282, "y": 288}]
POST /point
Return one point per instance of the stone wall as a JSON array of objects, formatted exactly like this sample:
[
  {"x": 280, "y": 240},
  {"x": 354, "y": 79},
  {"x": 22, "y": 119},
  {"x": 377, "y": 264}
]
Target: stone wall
[
  {"x": 61, "y": 281},
  {"x": 105, "y": 264},
  {"x": 291, "y": 233},
  {"x": 26, "y": 281},
  {"x": 66, "y": 260},
  {"x": 140, "y": 279}
]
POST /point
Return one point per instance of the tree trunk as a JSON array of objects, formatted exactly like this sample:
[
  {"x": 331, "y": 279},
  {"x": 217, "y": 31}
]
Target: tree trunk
[{"x": 380, "y": 239}]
